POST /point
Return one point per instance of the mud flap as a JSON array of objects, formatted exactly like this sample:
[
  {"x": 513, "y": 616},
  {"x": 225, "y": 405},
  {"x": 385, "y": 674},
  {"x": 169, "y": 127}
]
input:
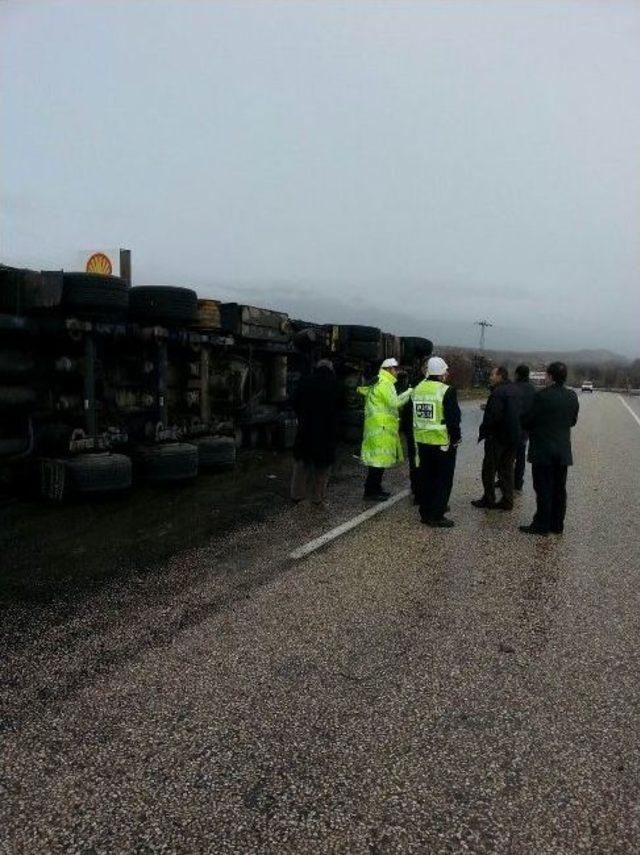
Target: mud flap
[{"x": 53, "y": 479}]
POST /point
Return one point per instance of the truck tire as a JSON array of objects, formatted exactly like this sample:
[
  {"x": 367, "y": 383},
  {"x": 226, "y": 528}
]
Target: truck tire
[
  {"x": 414, "y": 347},
  {"x": 12, "y": 287},
  {"x": 216, "y": 452},
  {"x": 91, "y": 292},
  {"x": 99, "y": 473},
  {"x": 361, "y": 333},
  {"x": 175, "y": 461},
  {"x": 163, "y": 303},
  {"x": 370, "y": 350},
  {"x": 13, "y": 398},
  {"x": 25, "y": 291}
]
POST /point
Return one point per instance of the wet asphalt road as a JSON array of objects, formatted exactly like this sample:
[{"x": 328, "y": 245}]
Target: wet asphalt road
[{"x": 404, "y": 690}]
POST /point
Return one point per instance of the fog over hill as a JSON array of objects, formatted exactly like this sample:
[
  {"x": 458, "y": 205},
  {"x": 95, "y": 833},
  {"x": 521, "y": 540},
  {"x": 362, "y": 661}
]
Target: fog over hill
[{"x": 415, "y": 312}]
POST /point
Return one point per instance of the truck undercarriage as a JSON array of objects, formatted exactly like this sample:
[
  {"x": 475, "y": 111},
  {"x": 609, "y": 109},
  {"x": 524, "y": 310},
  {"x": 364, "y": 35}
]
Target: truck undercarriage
[{"x": 102, "y": 385}]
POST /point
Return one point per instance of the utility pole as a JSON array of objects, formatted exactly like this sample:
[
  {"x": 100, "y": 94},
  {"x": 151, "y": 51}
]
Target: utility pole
[
  {"x": 483, "y": 328},
  {"x": 125, "y": 265}
]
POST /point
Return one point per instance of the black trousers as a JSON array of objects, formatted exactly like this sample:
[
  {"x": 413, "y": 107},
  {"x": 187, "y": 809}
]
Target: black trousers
[
  {"x": 521, "y": 462},
  {"x": 550, "y": 484},
  {"x": 435, "y": 480},
  {"x": 413, "y": 468},
  {"x": 373, "y": 484},
  {"x": 498, "y": 461}
]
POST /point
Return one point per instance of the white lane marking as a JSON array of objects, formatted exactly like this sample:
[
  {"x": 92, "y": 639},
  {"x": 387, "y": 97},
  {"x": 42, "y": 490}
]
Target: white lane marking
[
  {"x": 631, "y": 410},
  {"x": 310, "y": 547}
]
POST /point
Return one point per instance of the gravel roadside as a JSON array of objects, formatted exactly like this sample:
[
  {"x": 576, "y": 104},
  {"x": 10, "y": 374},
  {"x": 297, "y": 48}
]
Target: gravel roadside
[{"x": 403, "y": 690}]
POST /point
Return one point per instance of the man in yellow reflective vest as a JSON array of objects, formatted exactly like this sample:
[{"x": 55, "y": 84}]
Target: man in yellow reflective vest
[
  {"x": 436, "y": 432},
  {"x": 381, "y": 445}
]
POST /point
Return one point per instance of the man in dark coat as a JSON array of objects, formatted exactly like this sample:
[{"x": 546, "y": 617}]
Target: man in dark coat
[
  {"x": 527, "y": 392},
  {"x": 500, "y": 430},
  {"x": 316, "y": 402},
  {"x": 549, "y": 422}
]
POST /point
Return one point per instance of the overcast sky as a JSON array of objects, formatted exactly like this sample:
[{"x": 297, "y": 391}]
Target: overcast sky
[{"x": 419, "y": 165}]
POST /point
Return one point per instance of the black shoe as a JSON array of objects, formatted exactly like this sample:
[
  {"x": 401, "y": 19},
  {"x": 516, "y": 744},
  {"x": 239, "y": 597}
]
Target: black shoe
[
  {"x": 533, "y": 529},
  {"x": 482, "y": 503},
  {"x": 441, "y": 523},
  {"x": 556, "y": 530},
  {"x": 376, "y": 497},
  {"x": 416, "y": 500},
  {"x": 503, "y": 506}
]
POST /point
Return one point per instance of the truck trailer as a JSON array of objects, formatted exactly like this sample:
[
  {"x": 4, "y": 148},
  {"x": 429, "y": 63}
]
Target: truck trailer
[{"x": 103, "y": 384}]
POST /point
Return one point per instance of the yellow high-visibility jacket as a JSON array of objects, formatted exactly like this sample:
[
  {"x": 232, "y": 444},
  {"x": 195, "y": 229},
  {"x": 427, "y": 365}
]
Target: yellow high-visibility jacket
[{"x": 381, "y": 445}]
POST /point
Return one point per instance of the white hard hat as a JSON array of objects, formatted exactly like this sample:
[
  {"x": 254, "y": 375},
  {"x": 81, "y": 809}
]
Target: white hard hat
[
  {"x": 436, "y": 366},
  {"x": 390, "y": 363}
]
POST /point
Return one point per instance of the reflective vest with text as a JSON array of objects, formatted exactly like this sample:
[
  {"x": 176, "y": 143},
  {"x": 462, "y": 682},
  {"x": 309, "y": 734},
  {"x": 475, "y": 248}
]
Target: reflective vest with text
[{"x": 428, "y": 413}]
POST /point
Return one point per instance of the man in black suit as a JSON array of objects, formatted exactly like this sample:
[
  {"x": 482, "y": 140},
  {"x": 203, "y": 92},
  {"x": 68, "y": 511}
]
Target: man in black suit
[
  {"x": 553, "y": 413},
  {"x": 527, "y": 392}
]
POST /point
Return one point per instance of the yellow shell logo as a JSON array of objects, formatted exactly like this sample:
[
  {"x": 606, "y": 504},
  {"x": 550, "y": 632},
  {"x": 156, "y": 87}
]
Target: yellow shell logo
[{"x": 99, "y": 263}]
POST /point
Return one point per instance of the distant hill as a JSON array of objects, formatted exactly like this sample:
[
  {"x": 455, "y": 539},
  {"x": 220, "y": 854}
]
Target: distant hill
[{"x": 541, "y": 358}]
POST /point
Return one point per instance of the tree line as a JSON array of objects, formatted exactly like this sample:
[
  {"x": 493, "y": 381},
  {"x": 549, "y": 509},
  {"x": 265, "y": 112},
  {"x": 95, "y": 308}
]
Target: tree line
[{"x": 469, "y": 369}]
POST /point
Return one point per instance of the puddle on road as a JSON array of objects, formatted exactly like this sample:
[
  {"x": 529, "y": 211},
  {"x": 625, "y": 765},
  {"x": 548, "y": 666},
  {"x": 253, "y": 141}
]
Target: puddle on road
[{"x": 46, "y": 548}]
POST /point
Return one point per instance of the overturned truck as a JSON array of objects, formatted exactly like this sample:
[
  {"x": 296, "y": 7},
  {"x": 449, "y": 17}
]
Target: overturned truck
[{"x": 102, "y": 384}]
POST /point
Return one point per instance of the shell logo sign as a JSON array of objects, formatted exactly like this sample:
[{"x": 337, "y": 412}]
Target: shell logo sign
[
  {"x": 98, "y": 262},
  {"x": 103, "y": 262}
]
